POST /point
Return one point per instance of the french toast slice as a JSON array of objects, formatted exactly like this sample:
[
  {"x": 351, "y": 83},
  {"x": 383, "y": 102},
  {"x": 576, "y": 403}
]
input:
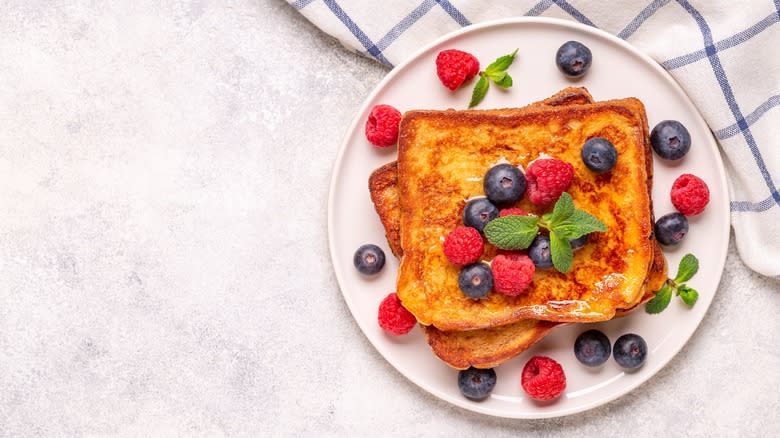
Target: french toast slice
[
  {"x": 442, "y": 157},
  {"x": 486, "y": 348}
]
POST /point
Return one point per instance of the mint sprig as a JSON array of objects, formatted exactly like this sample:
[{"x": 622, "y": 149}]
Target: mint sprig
[
  {"x": 496, "y": 73},
  {"x": 688, "y": 267},
  {"x": 564, "y": 223}
]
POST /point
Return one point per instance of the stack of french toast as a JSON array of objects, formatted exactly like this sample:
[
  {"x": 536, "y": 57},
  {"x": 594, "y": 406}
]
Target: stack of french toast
[{"x": 442, "y": 157}]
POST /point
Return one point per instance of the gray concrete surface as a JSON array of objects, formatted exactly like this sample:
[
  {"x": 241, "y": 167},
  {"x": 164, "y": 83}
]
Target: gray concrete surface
[{"x": 163, "y": 182}]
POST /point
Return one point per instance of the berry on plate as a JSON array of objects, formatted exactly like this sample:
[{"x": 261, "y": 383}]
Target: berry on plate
[
  {"x": 690, "y": 194},
  {"x": 630, "y": 351},
  {"x": 512, "y": 273},
  {"x": 476, "y": 281},
  {"x": 476, "y": 384},
  {"x": 393, "y": 316},
  {"x": 670, "y": 140},
  {"x": 670, "y": 229},
  {"x": 382, "y": 125},
  {"x": 543, "y": 378},
  {"x": 547, "y": 178},
  {"x": 463, "y": 246},
  {"x": 573, "y": 59},
  {"x": 455, "y": 68},
  {"x": 592, "y": 348},
  {"x": 369, "y": 259}
]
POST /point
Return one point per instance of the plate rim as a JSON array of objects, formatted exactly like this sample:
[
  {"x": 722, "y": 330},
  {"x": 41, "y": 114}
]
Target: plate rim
[{"x": 521, "y": 21}]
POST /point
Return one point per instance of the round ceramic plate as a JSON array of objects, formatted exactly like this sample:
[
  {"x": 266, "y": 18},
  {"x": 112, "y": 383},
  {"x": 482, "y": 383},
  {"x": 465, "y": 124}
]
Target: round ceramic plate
[{"x": 618, "y": 71}]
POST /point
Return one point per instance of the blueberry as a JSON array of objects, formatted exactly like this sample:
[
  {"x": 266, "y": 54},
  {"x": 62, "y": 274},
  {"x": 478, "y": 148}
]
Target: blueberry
[
  {"x": 592, "y": 348},
  {"x": 504, "y": 184},
  {"x": 369, "y": 259},
  {"x": 630, "y": 351},
  {"x": 599, "y": 155},
  {"x": 578, "y": 242},
  {"x": 573, "y": 59},
  {"x": 476, "y": 384},
  {"x": 670, "y": 229},
  {"x": 478, "y": 213},
  {"x": 539, "y": 251},
  {"x": 670, "y": 140},
  {"x": 476, "y": 280}
]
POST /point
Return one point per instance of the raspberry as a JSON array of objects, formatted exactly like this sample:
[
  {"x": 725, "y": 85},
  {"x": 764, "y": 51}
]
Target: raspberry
[
  {"x": 543, "y": 378},
  {"x": 690, "y": 194},
  {"x": 512, "y": 273},
  {"x": 382, "y": 125},
  {"x": 455, "y": 68},
  {"x": 512, "y": 212},
  {"x": 393, "y": 316},
  {"x": 547, "y": 179},
  {"x": 463, "y": 246}
]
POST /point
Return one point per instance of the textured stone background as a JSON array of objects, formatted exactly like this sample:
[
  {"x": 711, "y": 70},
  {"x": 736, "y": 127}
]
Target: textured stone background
[{"x": 163, "y": 181}]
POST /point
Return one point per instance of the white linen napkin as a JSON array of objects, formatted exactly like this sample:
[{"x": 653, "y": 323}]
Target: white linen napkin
[{"x": 723, "y": 53}]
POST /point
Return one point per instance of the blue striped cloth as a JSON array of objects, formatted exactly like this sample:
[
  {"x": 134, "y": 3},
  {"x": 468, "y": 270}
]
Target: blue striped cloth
[{"x": 723, "y": 53}]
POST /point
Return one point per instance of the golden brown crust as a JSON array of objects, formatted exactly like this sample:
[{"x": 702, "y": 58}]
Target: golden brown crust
[
  {"x": 568, "y": 96},
  {"x": 443, "y": 154},
  {"x": 383, "y": 187},
  {"x": 658, "y": 270},
  {"x": 486, "y": 348},
  {"x": 655, "y": 279}
]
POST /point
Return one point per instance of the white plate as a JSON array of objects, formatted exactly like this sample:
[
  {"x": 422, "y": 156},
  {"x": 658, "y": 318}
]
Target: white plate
[{"x": 618, "y": 70}]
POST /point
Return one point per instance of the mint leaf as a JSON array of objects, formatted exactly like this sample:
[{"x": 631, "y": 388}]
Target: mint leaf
[
  {"x": 660, "y": 301},
  {"x": 561, "y": 252},
  {"x": 496, "y": 77},
  {"x": 688, "y": 295},
  {"x": 501, "y": 63},
  {"x": 512, "y": 232},
  {"x": 564, "y": 207},
  {"x": 480, "y": 90},
  {"x": 689, "y": 265},
  {"x": 578, "y": 224},
  {"x": 506, "y": 82}
]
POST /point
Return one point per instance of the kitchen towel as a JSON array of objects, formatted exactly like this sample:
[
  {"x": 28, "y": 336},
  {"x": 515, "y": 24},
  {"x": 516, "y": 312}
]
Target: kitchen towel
[{"x": 723, "y": 53}]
